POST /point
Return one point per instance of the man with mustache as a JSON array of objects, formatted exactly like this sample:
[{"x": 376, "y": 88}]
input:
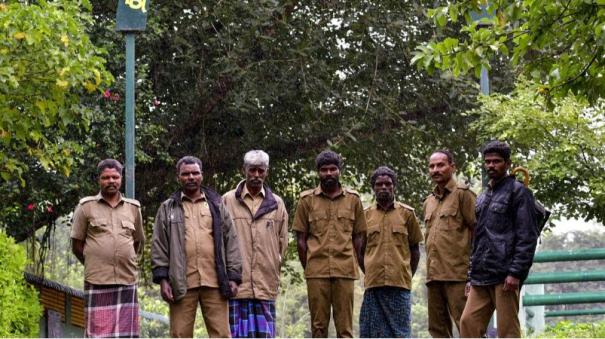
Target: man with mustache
[
  {"x": 106, "y": 234},
  {"x": 195, "y": 254},
  {"x": 330, "y": 227},
  {"x": 503, "y": 248},
  {"x": 391, "y": 258},
  {"x": 449, "y": 217},
  {"x": 261, "y": 221}
]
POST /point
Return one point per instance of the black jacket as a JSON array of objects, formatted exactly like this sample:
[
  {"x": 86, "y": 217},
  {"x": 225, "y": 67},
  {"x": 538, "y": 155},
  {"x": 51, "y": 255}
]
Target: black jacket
[{"x": 505, "y": 235}]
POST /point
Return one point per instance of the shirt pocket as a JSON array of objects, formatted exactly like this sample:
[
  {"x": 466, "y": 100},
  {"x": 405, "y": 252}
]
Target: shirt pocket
[
  {"x": 346, "y": 218},
  {"x": 318, "y": 222},
  {"x": 373, "y": 236},
  {"x": 400, "y": 236},
  {"x": 100, "y": 227},
  {"x": 449, "y": 219},
  {"x": 127, "y": 229}
]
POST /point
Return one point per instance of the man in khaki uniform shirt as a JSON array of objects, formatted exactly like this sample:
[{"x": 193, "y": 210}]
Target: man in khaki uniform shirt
[
  {"x": 107, "y": 233},
  {"x": 261, "y": 221},
  {"x": 449, "y": 216},
  {"x": 390, "y": 259},
  {"x": 195, "y": 254},
  {"x": 330, "y": 227}
]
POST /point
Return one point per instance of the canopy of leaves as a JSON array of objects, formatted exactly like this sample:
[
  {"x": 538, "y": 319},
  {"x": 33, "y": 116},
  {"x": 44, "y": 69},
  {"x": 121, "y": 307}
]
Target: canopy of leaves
[
  {"x": 563, "y": 148},
  {"x": 47, "y": 64},
  {"x": 559, "y": 44}
]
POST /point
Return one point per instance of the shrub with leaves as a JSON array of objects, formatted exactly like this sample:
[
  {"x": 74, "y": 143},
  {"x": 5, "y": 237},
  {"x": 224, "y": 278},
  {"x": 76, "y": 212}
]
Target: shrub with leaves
[{"x": 21, "y": 310}]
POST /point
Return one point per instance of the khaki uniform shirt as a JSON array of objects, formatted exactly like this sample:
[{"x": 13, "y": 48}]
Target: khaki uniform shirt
[
  {"x": 330, "y": 224},
  {"x": 199, "y": 243},
  {"x": 253, "y": 203},
  {"x": 109, "y": 234},
  {"x": 263, "y": 243},
  {"x": 389, "y": 237},
  {"x": 449, "y": 217}
]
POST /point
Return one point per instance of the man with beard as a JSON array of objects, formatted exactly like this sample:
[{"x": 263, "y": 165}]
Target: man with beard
[
  {"x": 503, "y": 248},
  {"x": 261, "y": 221},
  {"x": 106, "y": 234},
  {"x": 330, "y": 226},
  {"x": 195, "y": 254},
  {"x": 449, "y": 217},
  {"x": 391, "y": 259}
]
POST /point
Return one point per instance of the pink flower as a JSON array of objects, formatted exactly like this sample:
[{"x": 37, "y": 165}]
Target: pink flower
[
  {"x": 106, "y": 94},
  {"x": 115, "y": 97},
  {"x": 49, "y": 209},
  {"x": 156, "y": 102},
  {"x": 31, "y": 206}
]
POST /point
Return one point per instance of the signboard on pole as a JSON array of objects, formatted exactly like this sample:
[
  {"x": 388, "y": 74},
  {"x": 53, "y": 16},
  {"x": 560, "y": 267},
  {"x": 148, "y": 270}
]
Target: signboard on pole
[{"x": 132, "y": 15}]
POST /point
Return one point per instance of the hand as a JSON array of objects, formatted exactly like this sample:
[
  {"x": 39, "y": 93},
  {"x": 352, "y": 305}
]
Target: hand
[
  {"x": 510, "y": 284},
  {"x": 233, "y": 287},
  {"x": 467, "y": 289},
  {"x": 166, "y": 291}
]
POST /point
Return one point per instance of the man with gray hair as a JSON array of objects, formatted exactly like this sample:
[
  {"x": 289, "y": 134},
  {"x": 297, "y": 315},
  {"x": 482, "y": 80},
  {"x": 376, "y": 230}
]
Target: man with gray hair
[{"x": 261, "y": 220}]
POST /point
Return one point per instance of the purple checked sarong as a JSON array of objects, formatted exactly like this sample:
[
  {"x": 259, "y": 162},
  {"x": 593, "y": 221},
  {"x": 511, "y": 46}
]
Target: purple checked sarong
[{"x": 252, "y": 318}]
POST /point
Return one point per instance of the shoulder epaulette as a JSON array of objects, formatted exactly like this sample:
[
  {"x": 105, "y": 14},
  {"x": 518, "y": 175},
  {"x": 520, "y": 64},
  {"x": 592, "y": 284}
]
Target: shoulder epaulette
[
  {"x": 351, "y": 191},
  {"x": 463, "y": 186},
  {"x": 307, "y": 192},
  {"x": 406, "y": 206},
  {"x": 132, "y": 202},
  {"x": 87, "y": 199}
]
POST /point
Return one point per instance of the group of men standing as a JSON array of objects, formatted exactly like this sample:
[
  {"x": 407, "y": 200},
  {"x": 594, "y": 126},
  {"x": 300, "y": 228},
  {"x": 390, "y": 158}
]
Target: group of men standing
[{"x": 225, "y": 252}]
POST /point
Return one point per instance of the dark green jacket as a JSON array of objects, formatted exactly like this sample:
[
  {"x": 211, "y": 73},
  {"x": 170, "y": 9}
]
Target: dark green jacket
[{"x": 168, "y": 258}]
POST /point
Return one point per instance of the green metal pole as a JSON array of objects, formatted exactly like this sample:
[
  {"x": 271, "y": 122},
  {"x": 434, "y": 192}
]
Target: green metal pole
[
  {"x": 129, "y": 144},
  {"x": 564, "y": 277},
  {"x": 572, "y": 255},
  {"x": 564, "y": 298},
  {"x": 568, "y": 313}
]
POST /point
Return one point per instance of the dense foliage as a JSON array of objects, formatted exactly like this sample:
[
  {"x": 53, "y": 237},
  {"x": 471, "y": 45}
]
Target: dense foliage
[
  {"x": 558, "y": 44},
  {"x": 47, "y": 64},
  {"x": 20, "y": 309},
  {"x": 562, "y": 147},
  {"x": 569, "y": 329}
]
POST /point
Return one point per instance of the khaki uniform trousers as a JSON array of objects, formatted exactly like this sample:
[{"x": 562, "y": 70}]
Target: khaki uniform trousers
[
  {"x": 479, "y": 309},
  {"x": 215, "y": 309},
  {"x": 446, "y": 302},
  {"x": 334, "y": 293}
]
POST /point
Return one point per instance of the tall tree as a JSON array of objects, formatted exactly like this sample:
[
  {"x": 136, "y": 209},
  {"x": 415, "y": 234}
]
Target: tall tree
[{"x": 558, "y": 44}]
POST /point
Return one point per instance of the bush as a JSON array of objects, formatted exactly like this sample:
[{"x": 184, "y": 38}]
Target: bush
[
  {"x": 19, "y": 305},
  {"x": 568, "y": 329}
]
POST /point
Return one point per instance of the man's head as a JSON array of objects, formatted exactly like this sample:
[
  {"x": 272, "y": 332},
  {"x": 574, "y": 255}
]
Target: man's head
[
  {"x": 256, "y": 169},
  {"x": 189, "y": 173},
  {"x": 384, "y": 181},
  {"x": 109, "y": 172},
  {"x": 441, "y": 167},
  {"x": 496, "y": 159},
  {"x": 328, "y": 165}
]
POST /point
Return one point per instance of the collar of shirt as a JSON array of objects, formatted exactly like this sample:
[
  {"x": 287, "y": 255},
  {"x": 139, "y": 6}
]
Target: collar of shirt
[
  {"x": 246, "y": 192},
  {"x": 99, "y": 197},
  {"x": 390, "y": 207},
  {"x": 318, "y": 191},
  {"x": 184, "y": 197},
  {"x": 492, "y": 184},
  {"x": 449, "y": 187}
]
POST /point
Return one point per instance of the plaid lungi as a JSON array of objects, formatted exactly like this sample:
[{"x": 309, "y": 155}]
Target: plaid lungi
[
  {"x": 252, "y": 318},
  {"x": 111, "y": 310},
  {"x": 386, "y": 312}
]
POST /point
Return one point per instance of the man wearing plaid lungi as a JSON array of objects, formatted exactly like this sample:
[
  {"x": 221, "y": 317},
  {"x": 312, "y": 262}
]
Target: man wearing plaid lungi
[
  {"x": 261, "y": 220},
  {"x": 107, "y": 233}
]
